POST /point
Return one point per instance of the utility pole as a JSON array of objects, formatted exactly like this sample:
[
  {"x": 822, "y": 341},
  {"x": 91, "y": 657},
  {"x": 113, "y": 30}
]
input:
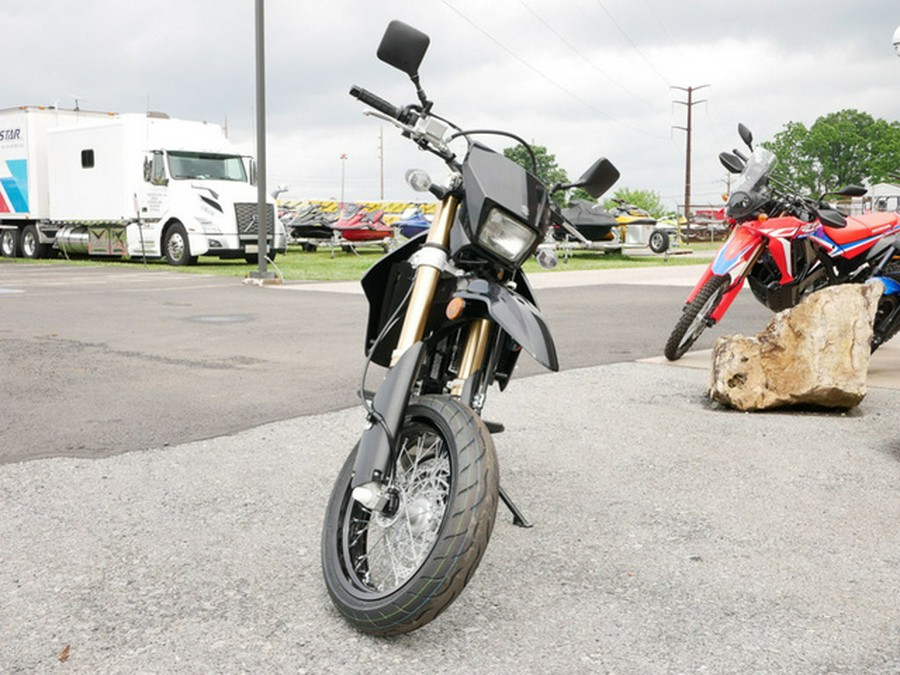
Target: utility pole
[{"x": 689, "y": 104}]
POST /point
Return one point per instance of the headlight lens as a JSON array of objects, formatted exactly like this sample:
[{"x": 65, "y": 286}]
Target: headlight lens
[
  {"x": 740, "y": 204},
  {"x": 506, "y": 237}
]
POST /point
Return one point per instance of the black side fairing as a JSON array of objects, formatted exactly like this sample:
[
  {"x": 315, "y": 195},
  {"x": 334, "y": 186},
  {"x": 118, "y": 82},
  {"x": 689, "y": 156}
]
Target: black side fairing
[{"x": 386, "y": 284}]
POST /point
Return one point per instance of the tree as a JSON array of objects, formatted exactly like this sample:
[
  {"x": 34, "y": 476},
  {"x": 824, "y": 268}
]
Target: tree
[
  {"x": 648, "y": 200},
  {"x": 548, "y": 171},
  {"x": 885, "y": 162},
  {"x": 842, "y": 148},
  {"x": 794, "y": 165},
  {"x": 842, "y": 145}
]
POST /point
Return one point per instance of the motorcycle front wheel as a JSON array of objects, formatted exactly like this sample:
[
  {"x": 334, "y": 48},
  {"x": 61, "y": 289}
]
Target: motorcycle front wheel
[
  {"x": 394, "y": 571},
  {"x": 695, "y": 317}
]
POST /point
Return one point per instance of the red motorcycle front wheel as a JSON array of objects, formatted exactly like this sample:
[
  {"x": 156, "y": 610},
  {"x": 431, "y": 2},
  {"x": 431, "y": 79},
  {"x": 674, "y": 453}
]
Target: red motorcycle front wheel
[{"x": 696, "y": 317}]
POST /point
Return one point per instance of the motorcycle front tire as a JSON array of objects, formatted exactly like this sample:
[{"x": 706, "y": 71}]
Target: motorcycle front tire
[
  {"x": 695, "y": 317},
  {"x": 394, "y": 571}
]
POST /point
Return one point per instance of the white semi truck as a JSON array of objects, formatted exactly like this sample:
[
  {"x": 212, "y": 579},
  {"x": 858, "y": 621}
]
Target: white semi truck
[{"x": 141, "y": 185}]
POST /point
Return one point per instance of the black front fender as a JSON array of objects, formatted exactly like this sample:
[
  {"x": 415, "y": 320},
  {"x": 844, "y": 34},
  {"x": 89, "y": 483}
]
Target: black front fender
[
  {"x": 517, "y": 315},
  {"x": 376, "y": 445}
]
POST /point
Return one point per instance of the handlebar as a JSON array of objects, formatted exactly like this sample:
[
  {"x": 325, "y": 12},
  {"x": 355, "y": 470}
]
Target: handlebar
[{"x": 374, "y": 101}]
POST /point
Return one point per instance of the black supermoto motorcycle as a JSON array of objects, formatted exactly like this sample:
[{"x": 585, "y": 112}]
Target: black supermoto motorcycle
[{"x": 412, "y": 510}]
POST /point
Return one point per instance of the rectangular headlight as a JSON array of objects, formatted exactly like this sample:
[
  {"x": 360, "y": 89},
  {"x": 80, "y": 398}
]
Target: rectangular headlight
[{"x": 506, "y": 237}]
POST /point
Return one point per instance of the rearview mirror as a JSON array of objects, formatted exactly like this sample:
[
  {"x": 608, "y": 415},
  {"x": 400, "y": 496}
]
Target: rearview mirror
[
  {"x": 732, "y": 163},
  {"x": 596, "y": 180},
  {"x": 403, "y": 47},
  {"x": 745, "y": 135},
  {"x": 851, "y": 191}
]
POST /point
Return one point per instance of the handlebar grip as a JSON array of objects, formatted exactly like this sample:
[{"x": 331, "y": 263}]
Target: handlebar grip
[{"x": 374, "y": 101}]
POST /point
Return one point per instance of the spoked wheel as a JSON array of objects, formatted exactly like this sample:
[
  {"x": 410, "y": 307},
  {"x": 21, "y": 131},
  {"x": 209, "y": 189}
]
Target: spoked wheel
[
  {"x": 393, "y": 571},
  {"x": 695, "y": 317}
]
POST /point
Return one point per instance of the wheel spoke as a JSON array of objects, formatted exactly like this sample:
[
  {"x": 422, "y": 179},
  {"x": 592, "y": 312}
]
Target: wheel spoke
[{"x": 396, "y": 544}]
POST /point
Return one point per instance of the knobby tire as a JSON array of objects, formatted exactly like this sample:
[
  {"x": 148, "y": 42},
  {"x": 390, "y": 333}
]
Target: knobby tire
[{"x": 694, "y": 318}]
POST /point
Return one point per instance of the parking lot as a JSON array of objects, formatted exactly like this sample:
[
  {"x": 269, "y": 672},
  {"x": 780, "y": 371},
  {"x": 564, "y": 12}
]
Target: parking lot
[
  {"x": 194, "y": 426},
  {"x": 103, "y": 360}
]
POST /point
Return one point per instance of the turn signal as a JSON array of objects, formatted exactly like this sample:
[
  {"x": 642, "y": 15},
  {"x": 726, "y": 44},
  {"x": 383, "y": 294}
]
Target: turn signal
[
  {"x": 455, "y": 308},
  {"x": 762, "y": 217}
]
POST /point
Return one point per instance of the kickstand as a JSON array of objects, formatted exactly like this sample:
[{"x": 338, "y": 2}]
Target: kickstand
[{"x": 519, "y": 519}]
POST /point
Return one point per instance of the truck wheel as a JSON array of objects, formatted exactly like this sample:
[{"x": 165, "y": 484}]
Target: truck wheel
[
  {"x": 9, "y": 243},
  {"x": 177, "y": 246},
  {"x": 31, "y": 243}
]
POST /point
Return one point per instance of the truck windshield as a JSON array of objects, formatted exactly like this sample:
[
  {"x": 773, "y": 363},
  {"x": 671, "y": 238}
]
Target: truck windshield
[{"x": 206, "y": 166}]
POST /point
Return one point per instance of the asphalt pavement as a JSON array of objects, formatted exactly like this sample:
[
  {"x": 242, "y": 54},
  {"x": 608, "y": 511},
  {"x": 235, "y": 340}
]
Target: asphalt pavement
[{"x": 671, "y": 535}]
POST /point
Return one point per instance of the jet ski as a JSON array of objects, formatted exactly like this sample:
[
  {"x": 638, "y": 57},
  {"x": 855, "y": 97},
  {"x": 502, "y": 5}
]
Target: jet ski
[{"x": 589, "y": 219}]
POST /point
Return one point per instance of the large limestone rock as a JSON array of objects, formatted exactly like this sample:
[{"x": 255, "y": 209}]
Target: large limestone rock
[{"x": 816, "y": 353}]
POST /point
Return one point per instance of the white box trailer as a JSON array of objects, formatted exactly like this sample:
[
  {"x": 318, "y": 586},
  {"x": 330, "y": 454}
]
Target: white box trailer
[{"x": 126, "y": 184}]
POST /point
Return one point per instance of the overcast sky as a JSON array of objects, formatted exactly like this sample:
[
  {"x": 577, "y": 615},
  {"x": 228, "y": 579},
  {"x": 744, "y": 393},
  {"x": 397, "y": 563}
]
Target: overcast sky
[{"x": 585, "y": 78}]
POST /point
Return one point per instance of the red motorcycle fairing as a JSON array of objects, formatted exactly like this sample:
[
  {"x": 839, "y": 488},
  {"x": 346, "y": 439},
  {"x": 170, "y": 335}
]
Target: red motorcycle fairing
[
  {"x": 742, "y": 247},
  {"x": 781, "y": 232},
  {"x": 860, "y": 234}
]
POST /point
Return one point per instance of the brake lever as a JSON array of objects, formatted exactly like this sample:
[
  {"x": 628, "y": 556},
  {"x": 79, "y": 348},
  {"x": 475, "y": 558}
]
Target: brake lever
[{"x": 405, "y": 128}]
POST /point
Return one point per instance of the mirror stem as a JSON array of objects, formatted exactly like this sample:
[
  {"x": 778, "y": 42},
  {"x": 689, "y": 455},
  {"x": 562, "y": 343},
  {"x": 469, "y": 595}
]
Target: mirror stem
[{"x": 426, "y": 104}]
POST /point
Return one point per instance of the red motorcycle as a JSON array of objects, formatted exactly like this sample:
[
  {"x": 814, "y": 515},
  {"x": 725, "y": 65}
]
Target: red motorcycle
[{"x": 785, "y": 246}]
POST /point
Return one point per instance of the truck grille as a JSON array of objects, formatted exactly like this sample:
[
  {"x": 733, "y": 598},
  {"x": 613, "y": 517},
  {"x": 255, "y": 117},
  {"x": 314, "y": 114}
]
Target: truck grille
[{"x": 245, "y": 215}]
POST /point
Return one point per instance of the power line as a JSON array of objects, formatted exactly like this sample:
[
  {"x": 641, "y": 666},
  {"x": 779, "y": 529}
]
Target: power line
[
  {"x": 547, "y": 78},
  {"x": 585, "y": 58},
  {"x": 662, "y": 26},
  {"x": 632, "y": 42}
]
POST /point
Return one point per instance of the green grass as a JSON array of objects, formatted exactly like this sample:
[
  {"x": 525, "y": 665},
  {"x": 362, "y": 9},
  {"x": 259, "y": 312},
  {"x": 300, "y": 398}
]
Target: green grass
[{"x": 323, "y": 265}]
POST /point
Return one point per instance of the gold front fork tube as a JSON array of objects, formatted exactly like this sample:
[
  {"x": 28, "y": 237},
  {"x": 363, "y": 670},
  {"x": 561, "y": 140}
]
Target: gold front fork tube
[
  {"x": 427, "y": 276},
  {"x": 473, "y": 353}
]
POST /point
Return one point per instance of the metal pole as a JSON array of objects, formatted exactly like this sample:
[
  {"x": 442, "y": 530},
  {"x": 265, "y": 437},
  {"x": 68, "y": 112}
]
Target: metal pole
[
  {"x": 689, "y": 104},
  {"x": 343, "y": 163},
  {"x": 261, "y": 215}
]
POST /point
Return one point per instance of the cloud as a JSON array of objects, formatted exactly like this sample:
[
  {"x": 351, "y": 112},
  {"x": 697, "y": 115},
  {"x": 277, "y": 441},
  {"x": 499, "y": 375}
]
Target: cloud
[{"x": 584, "y": 78}]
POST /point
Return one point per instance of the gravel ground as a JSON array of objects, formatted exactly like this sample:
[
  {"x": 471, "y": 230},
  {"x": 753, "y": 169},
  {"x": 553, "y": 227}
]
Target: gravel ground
[{"x": 670, "y": 536}]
